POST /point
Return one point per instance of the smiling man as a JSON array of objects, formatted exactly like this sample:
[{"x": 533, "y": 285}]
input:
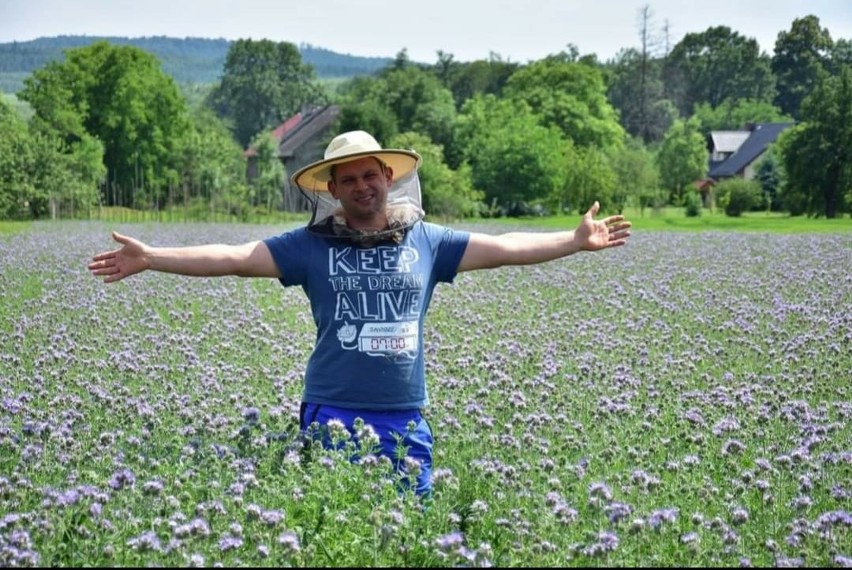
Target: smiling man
[{"x": 368, "y": 262}]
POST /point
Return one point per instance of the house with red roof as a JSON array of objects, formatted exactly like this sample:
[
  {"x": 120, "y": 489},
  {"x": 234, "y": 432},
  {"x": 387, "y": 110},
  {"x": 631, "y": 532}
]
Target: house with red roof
[{"x": 301, "y": 140}]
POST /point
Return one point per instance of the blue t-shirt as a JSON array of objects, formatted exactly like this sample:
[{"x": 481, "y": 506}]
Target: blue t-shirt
[{"x": 368, "y": 304}]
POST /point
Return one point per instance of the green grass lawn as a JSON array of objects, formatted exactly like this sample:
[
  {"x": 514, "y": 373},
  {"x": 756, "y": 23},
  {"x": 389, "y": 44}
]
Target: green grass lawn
[
  {"x": 674, "y": 219},
  {"x": 667, "y": 219},
  {"x": 13, "y": 227}
]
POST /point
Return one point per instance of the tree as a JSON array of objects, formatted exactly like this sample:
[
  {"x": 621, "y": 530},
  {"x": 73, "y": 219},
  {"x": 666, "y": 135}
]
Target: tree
[
  {"x": 715, "y": 65},
  {"x": 17, "y": 153},
  {"x": 401, "y": 99},
  {"x": 682, "y": 158},
  {"x": 636, "y": 176},
  {"x": 570, "y": 96},
  {"x": 636, "y": 92},
  {"x": 514, "y": 159},
  {"x": 841, "y": 55},
  {"x": 800, "y": 62},
  {"x": 119, "y": 95},
  {"x": 212, "y": 166},
  {"x": 770, "y": 176},
  {"x": 263, "y": 83},
  {"x": 589, "y": 177},
  {"x": 42, "y": 175},
  {"x": 635, "y": 87},
  {"x": 446, "y": 193},
  {"x": 479, "y": 77},
  {"x": 817, "y": 154},
  {"x": 737, "y": 114},
  {"x": 267, "y": 187}
]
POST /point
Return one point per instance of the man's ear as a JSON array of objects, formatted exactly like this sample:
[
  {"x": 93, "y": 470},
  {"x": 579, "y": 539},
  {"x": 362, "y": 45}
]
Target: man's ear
[
  {"x": 332, "y": 189},
  {"x": 389, "y": 174}
]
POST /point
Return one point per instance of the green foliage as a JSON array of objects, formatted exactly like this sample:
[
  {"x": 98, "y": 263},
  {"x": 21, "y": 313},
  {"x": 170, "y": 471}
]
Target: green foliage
[
  {"x": 372, "y": 116},
  {"x": 817, "y": 154},
  {"x": 800, "y": 62},
  {"x": 770, "y": 176},
  {"x": 734, "y": 114},
  {"x": 211, "y": 162},
  {"x": 636, "y": 90},
  {"x": 692, "y": 204},
  {"x": 263, "y": 83},
  {"x": 401, "y": 99},
  {"x": 16, "y": 156},
  {"x": 736, "y": 195},
  {"x": 570, "y": 96},
  {"x": 513, "y": 158},
  {"x": 41, "y": 175},
  {"x": 269, "y": 176},
  {"x": 636, "y": 176},
  {"x": 682, "y": 158},
  {"x": 589, "y": 177},
  {"x": 715, "y": 65},
  {"x": 119, "y": 95},
  {"x": 446, "y": 194},
  {"x": 479, "y": 77}
]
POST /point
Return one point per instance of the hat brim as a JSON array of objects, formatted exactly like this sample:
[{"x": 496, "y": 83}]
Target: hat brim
[{"x": 315, "y": 176}]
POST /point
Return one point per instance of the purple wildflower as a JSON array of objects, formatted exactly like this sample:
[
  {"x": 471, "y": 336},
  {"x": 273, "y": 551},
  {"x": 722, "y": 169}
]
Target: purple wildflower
[
  {"x": 272, "y": 517},
  {"x": 121, "y": 479},
  {"x": 661, "y": 516},
  {"x": 289, "y": 541},
  {"x": 600, "y": 489},
  {"x": 617, "y": 512},
  {"x": 228, "y": 542},
  {"x": 739, "y": 515},
  {"x": 449, "y": 541},
  {"x": 251, "y": 415},
  {"x": 606, "y": 542},
  {"x": 145, "y": 542}
]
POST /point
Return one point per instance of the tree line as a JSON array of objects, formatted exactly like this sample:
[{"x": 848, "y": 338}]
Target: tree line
[
  {"x": 188, "y": 60},
  {"x": 110, "y": 128}
]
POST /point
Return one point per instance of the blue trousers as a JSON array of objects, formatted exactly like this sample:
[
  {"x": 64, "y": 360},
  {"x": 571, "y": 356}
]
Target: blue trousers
[{"x": 393, "y": 429}]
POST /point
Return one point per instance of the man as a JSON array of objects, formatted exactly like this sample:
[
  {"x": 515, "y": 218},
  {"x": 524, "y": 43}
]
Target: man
[{"x": 368, "y": 262}]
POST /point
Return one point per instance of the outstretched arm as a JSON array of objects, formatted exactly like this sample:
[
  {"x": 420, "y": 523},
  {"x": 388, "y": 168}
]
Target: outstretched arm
[
  {"x": 524, "y": 248},
  {"x": 247, "y": 260}
]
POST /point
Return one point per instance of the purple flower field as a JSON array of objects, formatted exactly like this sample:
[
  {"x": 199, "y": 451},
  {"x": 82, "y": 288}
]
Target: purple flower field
[{"x": 685, "y": 400}]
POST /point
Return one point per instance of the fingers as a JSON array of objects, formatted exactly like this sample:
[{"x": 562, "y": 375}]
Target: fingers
[
  {"x": 618, "y": 224},
  {"x": 593, "y": 211},
  {"x": 103, "y": 256}
]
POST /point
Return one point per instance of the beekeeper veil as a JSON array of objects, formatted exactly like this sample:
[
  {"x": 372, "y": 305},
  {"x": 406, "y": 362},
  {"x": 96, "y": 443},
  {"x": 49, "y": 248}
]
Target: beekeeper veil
[{"x": 403, "y": 202}]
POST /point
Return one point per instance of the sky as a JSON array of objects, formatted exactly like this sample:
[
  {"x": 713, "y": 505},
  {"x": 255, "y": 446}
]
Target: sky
[{"x": 514, "y": 30}]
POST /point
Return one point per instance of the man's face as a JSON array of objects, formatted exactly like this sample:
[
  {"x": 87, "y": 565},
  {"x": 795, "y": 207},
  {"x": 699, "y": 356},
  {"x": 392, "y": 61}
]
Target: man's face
[{"x": 362, "y": 186}]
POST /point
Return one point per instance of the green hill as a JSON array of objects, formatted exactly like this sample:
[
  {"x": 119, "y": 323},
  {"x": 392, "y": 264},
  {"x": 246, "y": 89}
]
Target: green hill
[{"x": 188, "y": 60}]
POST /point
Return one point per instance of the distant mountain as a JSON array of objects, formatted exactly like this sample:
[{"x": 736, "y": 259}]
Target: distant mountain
[{"x": 188, "y": 60}]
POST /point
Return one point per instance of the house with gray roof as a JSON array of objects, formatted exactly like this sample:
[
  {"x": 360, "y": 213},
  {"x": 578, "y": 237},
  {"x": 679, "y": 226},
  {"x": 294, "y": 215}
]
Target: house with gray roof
[{"x": 738, "y": 153}]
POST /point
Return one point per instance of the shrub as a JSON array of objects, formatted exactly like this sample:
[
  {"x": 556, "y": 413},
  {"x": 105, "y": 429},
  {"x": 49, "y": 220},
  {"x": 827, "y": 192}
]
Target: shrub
[
  {"x": 738, "y": 195},
  {"x": 693, "y": 205}
]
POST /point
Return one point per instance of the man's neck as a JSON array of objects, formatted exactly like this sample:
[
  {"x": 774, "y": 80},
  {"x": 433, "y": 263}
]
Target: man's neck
[{"x": 376, "y": 222}]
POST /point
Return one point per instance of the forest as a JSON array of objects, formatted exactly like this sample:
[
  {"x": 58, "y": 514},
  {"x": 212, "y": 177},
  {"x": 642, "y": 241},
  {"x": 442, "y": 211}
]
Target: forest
[{"x": 164, "y": 124}]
